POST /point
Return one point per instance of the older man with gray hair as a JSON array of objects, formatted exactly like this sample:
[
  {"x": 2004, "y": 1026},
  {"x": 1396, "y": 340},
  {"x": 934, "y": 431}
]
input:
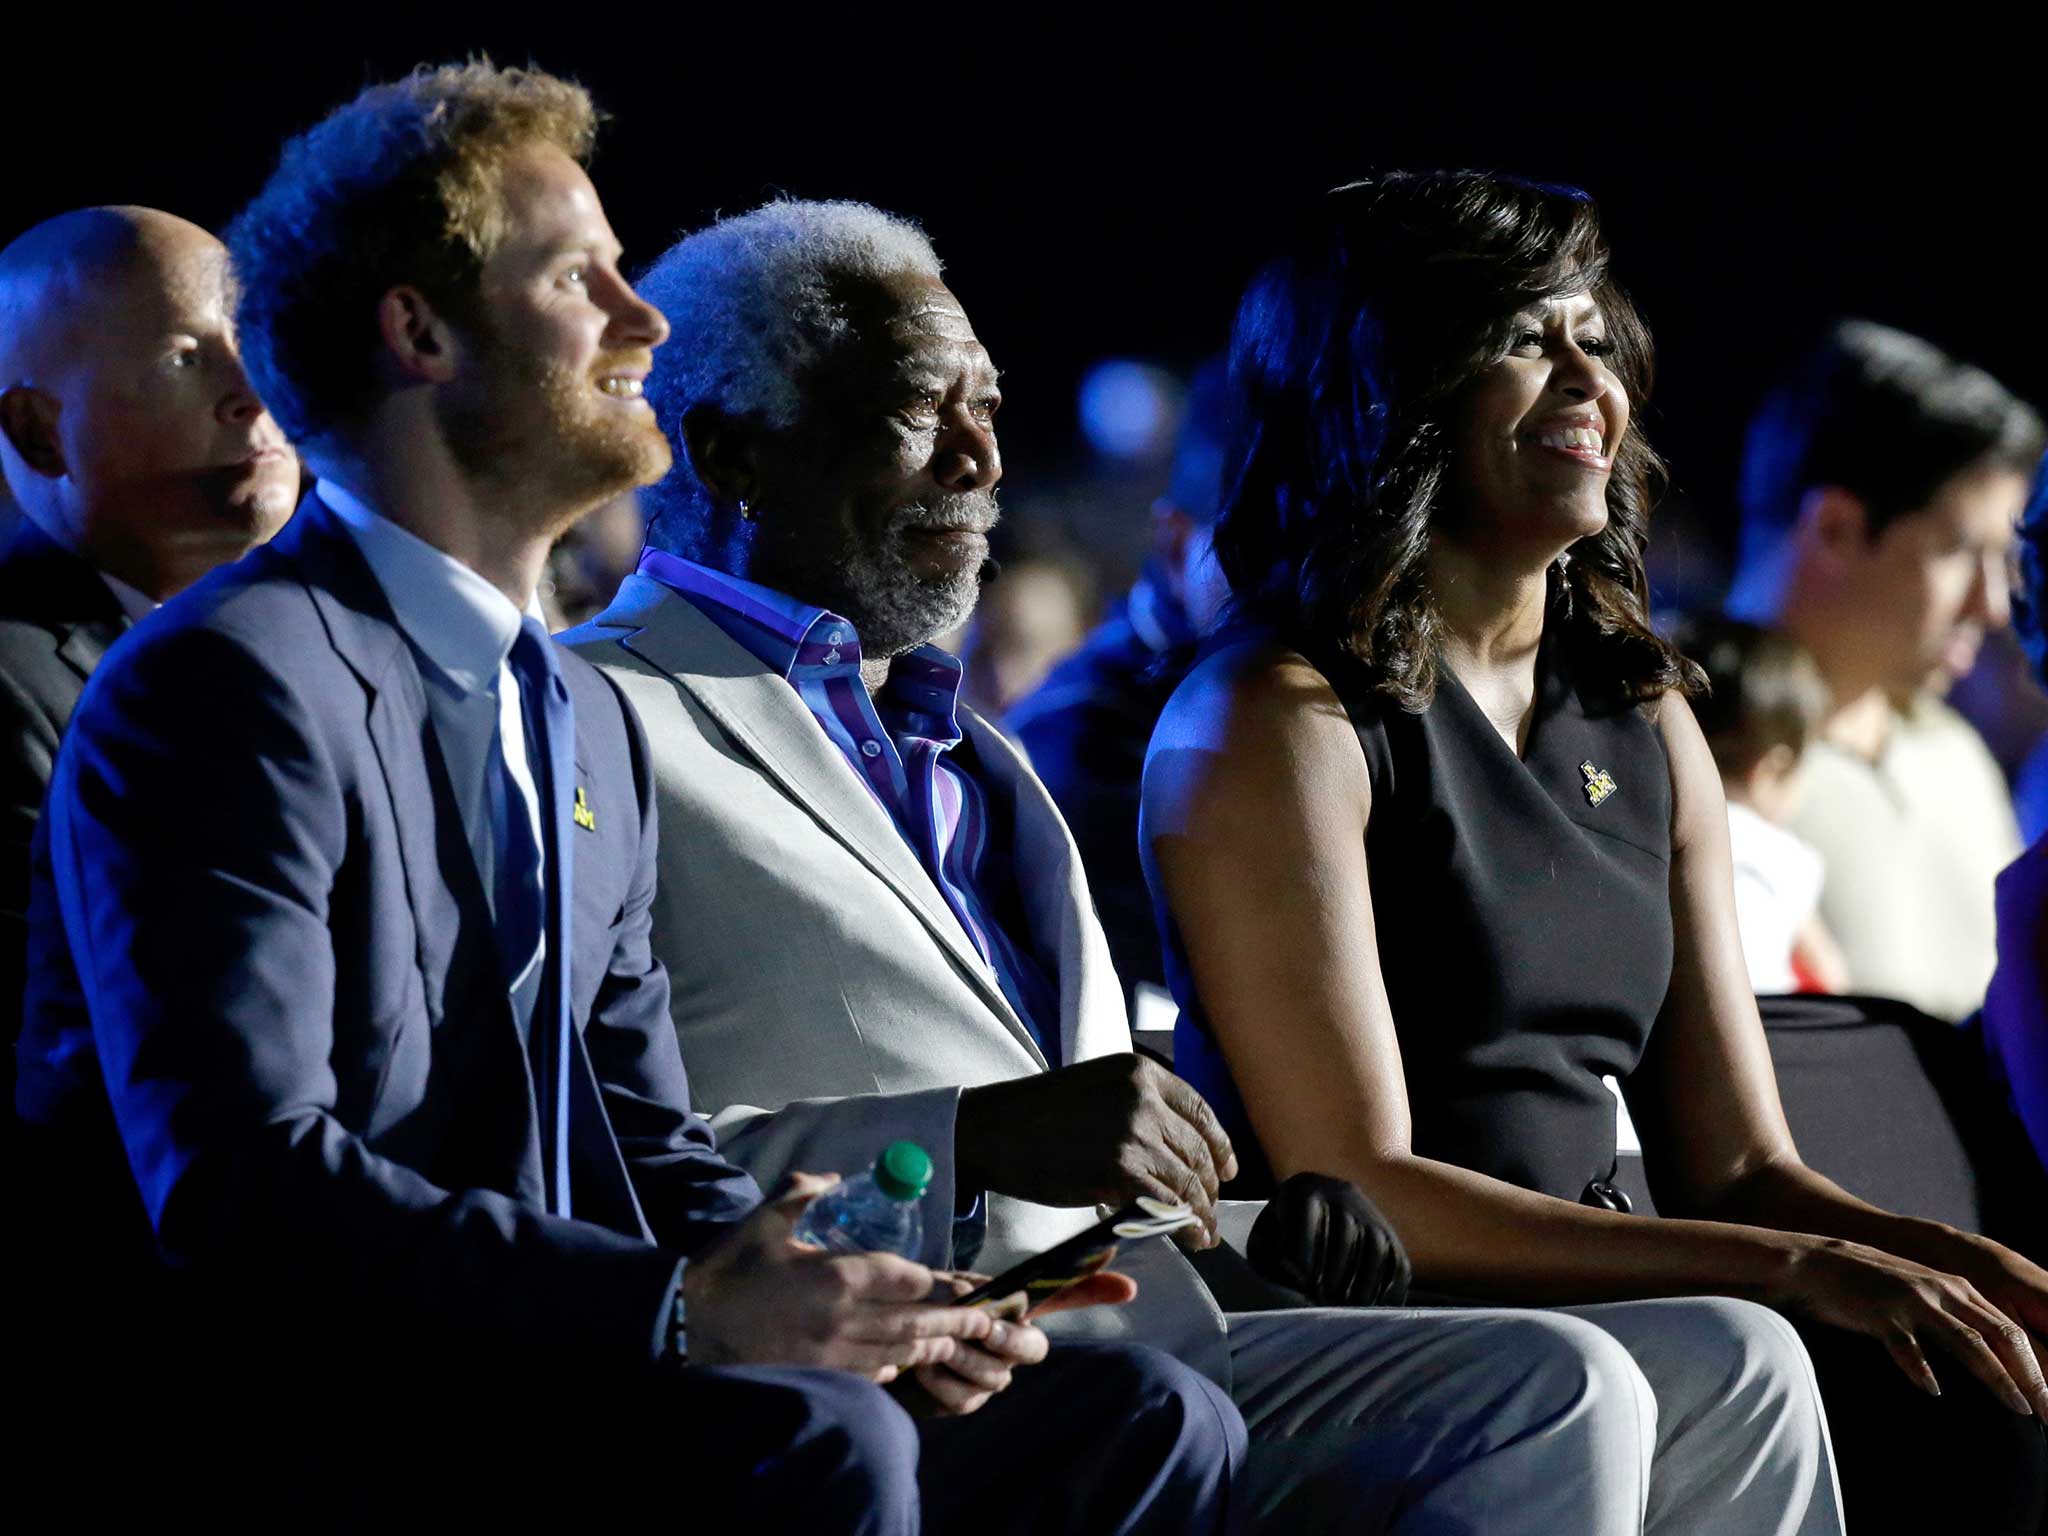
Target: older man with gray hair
[{"x": 877, "y": 926}]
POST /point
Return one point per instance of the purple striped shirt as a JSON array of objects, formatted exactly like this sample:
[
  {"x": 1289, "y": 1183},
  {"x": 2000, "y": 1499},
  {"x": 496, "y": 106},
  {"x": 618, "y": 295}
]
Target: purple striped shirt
[{"x": 899, "y": 743}]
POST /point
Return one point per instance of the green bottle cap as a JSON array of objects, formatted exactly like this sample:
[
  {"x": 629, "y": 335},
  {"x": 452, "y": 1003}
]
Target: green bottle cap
[{"x": 903, "y": 1170}]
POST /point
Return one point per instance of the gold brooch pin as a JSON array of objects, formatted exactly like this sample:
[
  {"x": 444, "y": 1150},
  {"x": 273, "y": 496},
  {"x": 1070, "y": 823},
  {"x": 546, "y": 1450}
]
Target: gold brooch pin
[
  {"x": 581, "y": 813},
  {"x": 1599, "y": 783}
]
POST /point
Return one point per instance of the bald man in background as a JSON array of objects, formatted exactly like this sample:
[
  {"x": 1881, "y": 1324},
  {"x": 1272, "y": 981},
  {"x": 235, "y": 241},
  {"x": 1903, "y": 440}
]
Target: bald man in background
[{"x": 140, "y": 460}]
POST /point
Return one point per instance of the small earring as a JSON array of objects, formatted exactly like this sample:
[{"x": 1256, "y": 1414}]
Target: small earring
[
  {"x": 1562, "y": 567},
  {"x": 746, "y": 512}
]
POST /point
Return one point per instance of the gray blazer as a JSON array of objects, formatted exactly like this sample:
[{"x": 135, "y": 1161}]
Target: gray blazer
[{"x": 826, "y": 997}]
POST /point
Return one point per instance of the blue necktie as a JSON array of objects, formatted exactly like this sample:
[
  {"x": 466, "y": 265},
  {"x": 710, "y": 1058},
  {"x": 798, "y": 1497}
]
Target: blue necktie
[{"x": 551, "y": 728}]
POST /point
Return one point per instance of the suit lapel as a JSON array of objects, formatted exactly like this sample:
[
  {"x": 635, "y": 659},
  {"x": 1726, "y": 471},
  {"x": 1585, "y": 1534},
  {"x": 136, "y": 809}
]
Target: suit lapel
[
  {"x": 423, "y": 806},
  {"x": 85, "y": 645},
  {"x": 49, "y": 585},
  {"x": 454, "y": 935},
  {"x": 767, "y": 719},
  {"x": 603, "y": 1184},
  {"x": 1053, "y": 890}
]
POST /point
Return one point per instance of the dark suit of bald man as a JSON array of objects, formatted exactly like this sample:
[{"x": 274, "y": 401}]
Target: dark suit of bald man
[{"x": 57, "y": 618}]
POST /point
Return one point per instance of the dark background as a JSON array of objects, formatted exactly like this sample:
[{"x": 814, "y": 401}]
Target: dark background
[{"x": 1101, "y": 180}]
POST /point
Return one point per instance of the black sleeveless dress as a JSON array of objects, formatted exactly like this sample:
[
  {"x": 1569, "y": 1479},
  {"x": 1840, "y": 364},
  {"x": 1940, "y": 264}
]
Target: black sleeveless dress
[{"x": 1523, "y": 912}]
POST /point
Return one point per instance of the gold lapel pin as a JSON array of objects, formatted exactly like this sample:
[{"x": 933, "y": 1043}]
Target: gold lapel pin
[
  {"x": 1599, "y": 783},
  {"x": 581, "y": 813}
]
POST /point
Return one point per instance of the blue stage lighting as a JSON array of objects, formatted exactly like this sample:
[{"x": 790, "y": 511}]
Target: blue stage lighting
[{"x": 1128, "y": 409}]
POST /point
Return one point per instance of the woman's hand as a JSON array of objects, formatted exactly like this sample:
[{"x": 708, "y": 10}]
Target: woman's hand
[
  {"x": 1908, "y": 1306},
  {"x": 2013, "y": 1283}
]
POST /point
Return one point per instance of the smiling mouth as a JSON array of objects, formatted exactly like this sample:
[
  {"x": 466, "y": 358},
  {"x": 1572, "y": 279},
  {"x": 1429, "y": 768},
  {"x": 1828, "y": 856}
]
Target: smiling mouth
[
  {"x": 621, "y": 386},
  {"x": 1580, "y": 444}
]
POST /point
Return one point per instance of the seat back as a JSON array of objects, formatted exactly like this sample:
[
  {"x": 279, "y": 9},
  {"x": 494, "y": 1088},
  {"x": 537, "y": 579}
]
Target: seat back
[{"x": 1896, "y": 1108}]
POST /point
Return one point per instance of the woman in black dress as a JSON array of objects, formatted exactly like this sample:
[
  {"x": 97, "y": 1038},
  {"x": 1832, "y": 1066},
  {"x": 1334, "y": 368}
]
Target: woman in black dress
[{"x": 1438, "y": 844}]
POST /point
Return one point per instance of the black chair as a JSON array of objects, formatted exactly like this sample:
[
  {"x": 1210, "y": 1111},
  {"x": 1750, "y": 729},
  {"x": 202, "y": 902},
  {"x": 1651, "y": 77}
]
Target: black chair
[{"x": 1897, "y": 1108}]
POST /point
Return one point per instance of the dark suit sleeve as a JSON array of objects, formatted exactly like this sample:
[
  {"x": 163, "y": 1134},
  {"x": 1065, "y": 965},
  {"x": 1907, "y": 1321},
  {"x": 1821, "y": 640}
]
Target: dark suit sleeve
[
  {"x": 687, "y": 1191},
  {"x": 199, "y": 823}
]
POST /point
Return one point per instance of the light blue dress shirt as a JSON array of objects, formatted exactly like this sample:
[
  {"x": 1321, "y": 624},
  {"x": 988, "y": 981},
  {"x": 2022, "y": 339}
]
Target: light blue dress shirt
[{"x": 461, "y": 628}]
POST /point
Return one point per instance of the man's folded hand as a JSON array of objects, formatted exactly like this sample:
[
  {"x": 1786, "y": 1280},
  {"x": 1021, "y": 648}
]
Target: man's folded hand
[
  {"x": 757, "y": 1298},
  {"x": 1099, "y": 1132},
  {"x": 977, "y": 1370}
]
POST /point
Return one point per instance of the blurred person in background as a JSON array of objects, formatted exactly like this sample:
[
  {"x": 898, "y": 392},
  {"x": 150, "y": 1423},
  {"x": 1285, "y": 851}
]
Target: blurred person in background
[
  {"x": 1880, "y": 487},
  {"x": 1039, "y": 598},
  {"x": 589, "y": 561},
  {"x": 1085, "y": 727},
  {"x": 140, "y": 459},
  {"x": 1764, "y": 705},
  {"x": 2016, "y": 1007}
]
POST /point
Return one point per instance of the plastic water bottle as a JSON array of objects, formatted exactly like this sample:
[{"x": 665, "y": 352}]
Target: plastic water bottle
[{"x": 875, "y": 1212}]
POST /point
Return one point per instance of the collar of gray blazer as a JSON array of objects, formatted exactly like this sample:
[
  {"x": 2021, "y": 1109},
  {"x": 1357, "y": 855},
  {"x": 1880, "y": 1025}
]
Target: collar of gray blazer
[{"x": 768, "y": 720}]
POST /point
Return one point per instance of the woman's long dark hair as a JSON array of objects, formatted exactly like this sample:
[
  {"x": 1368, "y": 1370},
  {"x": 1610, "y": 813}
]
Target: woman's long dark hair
[{"x": 1348, "y": 365}]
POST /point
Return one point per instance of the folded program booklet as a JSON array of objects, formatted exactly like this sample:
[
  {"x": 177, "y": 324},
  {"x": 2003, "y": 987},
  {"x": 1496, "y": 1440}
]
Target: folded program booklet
[{"x": 1042, "y": 1278}]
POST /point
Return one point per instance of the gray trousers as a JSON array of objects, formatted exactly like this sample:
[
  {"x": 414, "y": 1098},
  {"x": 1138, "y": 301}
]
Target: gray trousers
[{"x": 1669, "y": 1417}]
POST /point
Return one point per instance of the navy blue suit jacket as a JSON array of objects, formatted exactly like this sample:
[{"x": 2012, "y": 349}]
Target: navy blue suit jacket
[{"x": 295, "y": 1001}]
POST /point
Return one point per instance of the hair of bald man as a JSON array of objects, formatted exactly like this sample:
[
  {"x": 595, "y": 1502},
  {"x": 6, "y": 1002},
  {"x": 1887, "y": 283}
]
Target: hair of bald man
[
  {"x": 753, "y": 303},
  {"x": 56, "y": 280},
  {"x": 52, "y": 273}
]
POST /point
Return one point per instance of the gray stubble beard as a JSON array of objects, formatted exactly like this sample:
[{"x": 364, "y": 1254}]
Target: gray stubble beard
[{"x": 891, "y": 609}]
